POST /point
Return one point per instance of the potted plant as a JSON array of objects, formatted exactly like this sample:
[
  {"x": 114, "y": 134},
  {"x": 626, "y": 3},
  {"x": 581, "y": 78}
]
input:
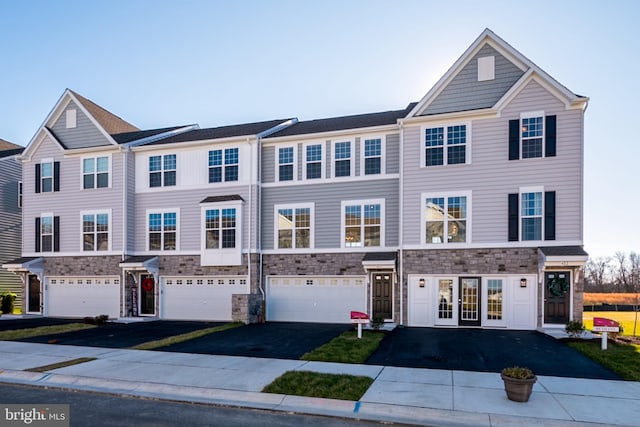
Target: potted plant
[{"x": 518, "y": 383}]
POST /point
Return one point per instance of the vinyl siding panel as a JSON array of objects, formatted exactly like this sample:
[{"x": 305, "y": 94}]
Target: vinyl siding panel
[
  {"x": 393, "y": 153},
  {"x": 327, "y": 198},
  {"x": 85, "y": 134},
  {"x": 465, "y": 92},
  {"x": 268, "y": 164},
  {"x": 71, "y": 199},
  {"x": 131, "y": 201},
  {"x": 491, "y": 176},
  {"x": 10, "y": 224}
]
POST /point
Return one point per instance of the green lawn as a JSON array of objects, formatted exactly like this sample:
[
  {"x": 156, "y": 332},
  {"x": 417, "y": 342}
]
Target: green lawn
[
  {"x": 347, "y": 348},
  {"x": 59, "y": 365},
  {"x": 623, "y": 359},
  {"x": 625, "y": 318},
  {"x": 314, "y": 384},
  {"x": 42, "y": 330},
  {"x": 150, "y": 345}
]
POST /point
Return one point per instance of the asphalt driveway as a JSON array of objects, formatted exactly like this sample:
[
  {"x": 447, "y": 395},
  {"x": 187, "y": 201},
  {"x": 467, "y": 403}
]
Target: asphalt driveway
[{"x": 484, "y": 350}]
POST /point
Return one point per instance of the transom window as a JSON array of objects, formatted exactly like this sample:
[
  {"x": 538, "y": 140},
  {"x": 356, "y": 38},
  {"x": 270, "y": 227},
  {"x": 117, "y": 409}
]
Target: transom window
[
  {"x": 531, "y": 215},
  {"x": 445, "y": 219},
  {"x": 46, "y": 177},
  {"x": 362, "y": 224},
  {"x": 293, "y": 225},
  {"x": 46, "y": 233},
  {"x": 285, "y": 163},
  {"x": 95, "y": 232},
  {"x": 532, "y": 136},
  {"x": 95, "y": 172},
  {"x": 372, "y": 156},
  {"x": 445, "y": 145},
  {"x": 220, "y": 228},
  {"x": 313, "y": 160},
  {"x": 342, "y": 156},
  {"x": 223, "y": 165},
  {"x": 162, "y": 170},
  {"x": 162, "y": 231}
]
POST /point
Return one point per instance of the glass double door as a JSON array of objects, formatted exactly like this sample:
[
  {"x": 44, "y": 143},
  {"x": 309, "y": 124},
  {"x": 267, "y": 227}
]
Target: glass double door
[{"x": 459, "y": 301}]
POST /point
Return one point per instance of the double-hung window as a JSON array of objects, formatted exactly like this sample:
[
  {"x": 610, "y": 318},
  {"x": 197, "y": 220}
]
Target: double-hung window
[
  {"x": 162, "y": 170},
  {"x": 220, "y": 228},
  {"x": 446, "y": 145},
  {"x": 47, "y": 233},
  {"x": 363, "y": 223},
  {"x": 221, "y": 232},
  {"x": 286, "y": 163},
  {"x": 373, "y": 159},
  {"x": 95, "y": 172},
  {"x": 445, "y": 218},
  {"x": 531, "y": 215},
  {"x": 223, "y": 165},
  {"x": 532, "y": 136},
  {"x": 313, "y": 161},
  {"x": 162, "y": 231},
  {"x": 343, "y": 159},
  {"x": 95, "y": 231},
  {"x": 294, "y": 226}
]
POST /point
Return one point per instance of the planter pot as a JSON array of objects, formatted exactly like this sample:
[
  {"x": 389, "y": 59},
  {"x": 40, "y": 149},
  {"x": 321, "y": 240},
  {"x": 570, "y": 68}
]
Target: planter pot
[{"x": 518, "y": 390}]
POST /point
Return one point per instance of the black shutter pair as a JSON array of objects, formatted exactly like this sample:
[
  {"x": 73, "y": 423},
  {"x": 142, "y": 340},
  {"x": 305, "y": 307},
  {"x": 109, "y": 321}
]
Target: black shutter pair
[
  {"x": 549, "y": 216},
  {"x": 56, "y": 177},
  {"x": 549, "y": 138},
  {"x": 56, "y": 234}
]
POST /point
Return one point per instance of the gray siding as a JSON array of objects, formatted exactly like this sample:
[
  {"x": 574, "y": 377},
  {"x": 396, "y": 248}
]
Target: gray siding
[
  {"x": 465, "y": 92},
  {"x": 131, "y": 201},
  {"x": 268, "y": 164},
  {"x": 327, "y": 199},
  {"x": 393, "y": 153},
  {"x": 491, "y": 176},
  {"x": 10, "y": 224},
  {"x": 85, "y": 134},
  {"x": 71, "y": 199}
]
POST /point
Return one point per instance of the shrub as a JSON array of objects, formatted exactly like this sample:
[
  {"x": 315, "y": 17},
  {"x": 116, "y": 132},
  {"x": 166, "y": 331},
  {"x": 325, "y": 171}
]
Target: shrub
[
  {"x": 574, "y": 328},
  {"x": 98, "y": 320},
  {"x": 518, "y": 373},
  {"x": 8, "y": 299},
  {"x": 377, "y": 322}
]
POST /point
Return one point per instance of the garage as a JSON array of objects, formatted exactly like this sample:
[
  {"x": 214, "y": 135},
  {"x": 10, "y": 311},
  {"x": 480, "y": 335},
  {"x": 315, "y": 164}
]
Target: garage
[
  {"x": 315, "y": 299},
  {"x": 83, "y": 296},
  {"x": 200, "y": 298}
]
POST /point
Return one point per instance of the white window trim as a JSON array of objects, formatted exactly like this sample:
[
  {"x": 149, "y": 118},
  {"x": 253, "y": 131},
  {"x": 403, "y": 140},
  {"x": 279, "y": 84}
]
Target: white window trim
[
  {"x": 223, "y": 166},
  {"x": 311, "y": 207},
  {"x": 531, "y": 115},
  {"x": 423, "y": 218},
  {"x": 295, "y": 162},
  {"x": 455, "y": 289},
  {"x": 485, "y": 301},
  {"x": 53, "y": 231},
  {"x": 352, "y": 168},
  {"x": 522, "y": 190},
  {"x": 162, "y": 171},
  {"x": 53, "y": 174},
  {"x": 423, "y": 141},
  {"x": 162, "y": 211},
  {"x": 383, "y": 154},
  {"x": 322, "y": 160},
  {"x": 97, "y": 212},
  {"x": 383, "y": 229},
  {"x": 95, "y": 172},
  {"x": 221, "y": 256}
]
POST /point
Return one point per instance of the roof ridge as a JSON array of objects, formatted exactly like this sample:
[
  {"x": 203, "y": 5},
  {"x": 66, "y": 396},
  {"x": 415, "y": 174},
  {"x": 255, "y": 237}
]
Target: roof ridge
[{"x": 110, "y": 122}]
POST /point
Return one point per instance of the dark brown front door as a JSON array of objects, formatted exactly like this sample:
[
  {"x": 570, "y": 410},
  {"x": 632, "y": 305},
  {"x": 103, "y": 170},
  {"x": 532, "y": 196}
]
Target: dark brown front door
[
  {"x": 382, "y": 295},
  {"x": 34, "y": 294},
  {"x": 469, "y": 301},
  {"x": 147, "y": 295},
  {"x": 557, "y": 287}
]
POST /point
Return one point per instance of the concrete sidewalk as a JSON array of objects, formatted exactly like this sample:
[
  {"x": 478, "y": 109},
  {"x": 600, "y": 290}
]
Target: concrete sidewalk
[{"x": 405, "y": 395}]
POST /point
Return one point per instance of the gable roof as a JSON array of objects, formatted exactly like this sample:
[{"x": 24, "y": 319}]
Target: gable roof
[
  {"x": 111, "y": 123},
  {"x": 530, "y": 70},
  {"x": 344, "y": 123}
]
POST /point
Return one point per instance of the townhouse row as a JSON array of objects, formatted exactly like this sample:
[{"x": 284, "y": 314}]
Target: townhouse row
[{"x": 462, "y": 209}]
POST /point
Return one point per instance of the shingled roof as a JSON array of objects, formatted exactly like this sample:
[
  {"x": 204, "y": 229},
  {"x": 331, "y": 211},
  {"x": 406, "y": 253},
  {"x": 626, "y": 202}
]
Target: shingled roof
[
  {"x": 345, "y": 122},
  {"x": 111, "y": 123},
  {"x": 9, "y": 149},
  {"x": 122, "y": 138}
]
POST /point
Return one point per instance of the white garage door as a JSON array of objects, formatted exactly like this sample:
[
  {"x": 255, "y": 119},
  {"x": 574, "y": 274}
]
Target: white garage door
[
  {"x": 83, "y": 296},
  {"x": 315, "y": 299},
  {"x": 200, "y": 298}
]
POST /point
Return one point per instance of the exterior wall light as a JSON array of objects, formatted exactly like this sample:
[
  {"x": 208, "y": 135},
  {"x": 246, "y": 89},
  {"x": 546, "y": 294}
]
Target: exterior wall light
[
  {"x": 523, "y": 283},
  {"x": 421, "y": 282}
]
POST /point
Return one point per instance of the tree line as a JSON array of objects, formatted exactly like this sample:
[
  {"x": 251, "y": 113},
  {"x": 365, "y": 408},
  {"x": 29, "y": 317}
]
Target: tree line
[{"x": 619, "y": 273}]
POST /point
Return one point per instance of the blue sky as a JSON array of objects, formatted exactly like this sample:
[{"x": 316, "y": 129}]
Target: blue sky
[{"x": 160, "y": 63}]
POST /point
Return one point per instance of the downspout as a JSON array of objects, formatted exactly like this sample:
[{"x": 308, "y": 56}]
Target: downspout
[
  {"x": 401, "y": 217},
  {"x": 250, "y": 213},
  {"x": 125, "y": 218},
  {"x": 259, "y": 213}
]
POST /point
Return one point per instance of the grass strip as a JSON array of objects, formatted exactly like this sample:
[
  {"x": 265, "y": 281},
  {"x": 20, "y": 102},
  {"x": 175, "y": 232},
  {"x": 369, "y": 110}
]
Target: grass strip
[
  {"x": 150, "y": 345},
  {"x": 59, "y": 365},
  {"x": 18, "y": 334},
  {"x": 347, "y": 348},
  {"x": 314, "y": 384},
  {"x": 623, "y": 359}
]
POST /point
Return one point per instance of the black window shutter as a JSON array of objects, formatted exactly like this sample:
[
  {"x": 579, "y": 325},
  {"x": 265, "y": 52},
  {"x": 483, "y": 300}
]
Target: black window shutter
[
  {"x": 56, "y": 234},
  {"x": 550, "y": 136},
  {"x": 56, "y": 176},
  {"x": 37, "y": 234},
  {"x": 37, "y": 177},
  {"x": 550, "y": 215},
  {"x": 513, "y": 217},
  {"x": 514, "y": 139}
]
